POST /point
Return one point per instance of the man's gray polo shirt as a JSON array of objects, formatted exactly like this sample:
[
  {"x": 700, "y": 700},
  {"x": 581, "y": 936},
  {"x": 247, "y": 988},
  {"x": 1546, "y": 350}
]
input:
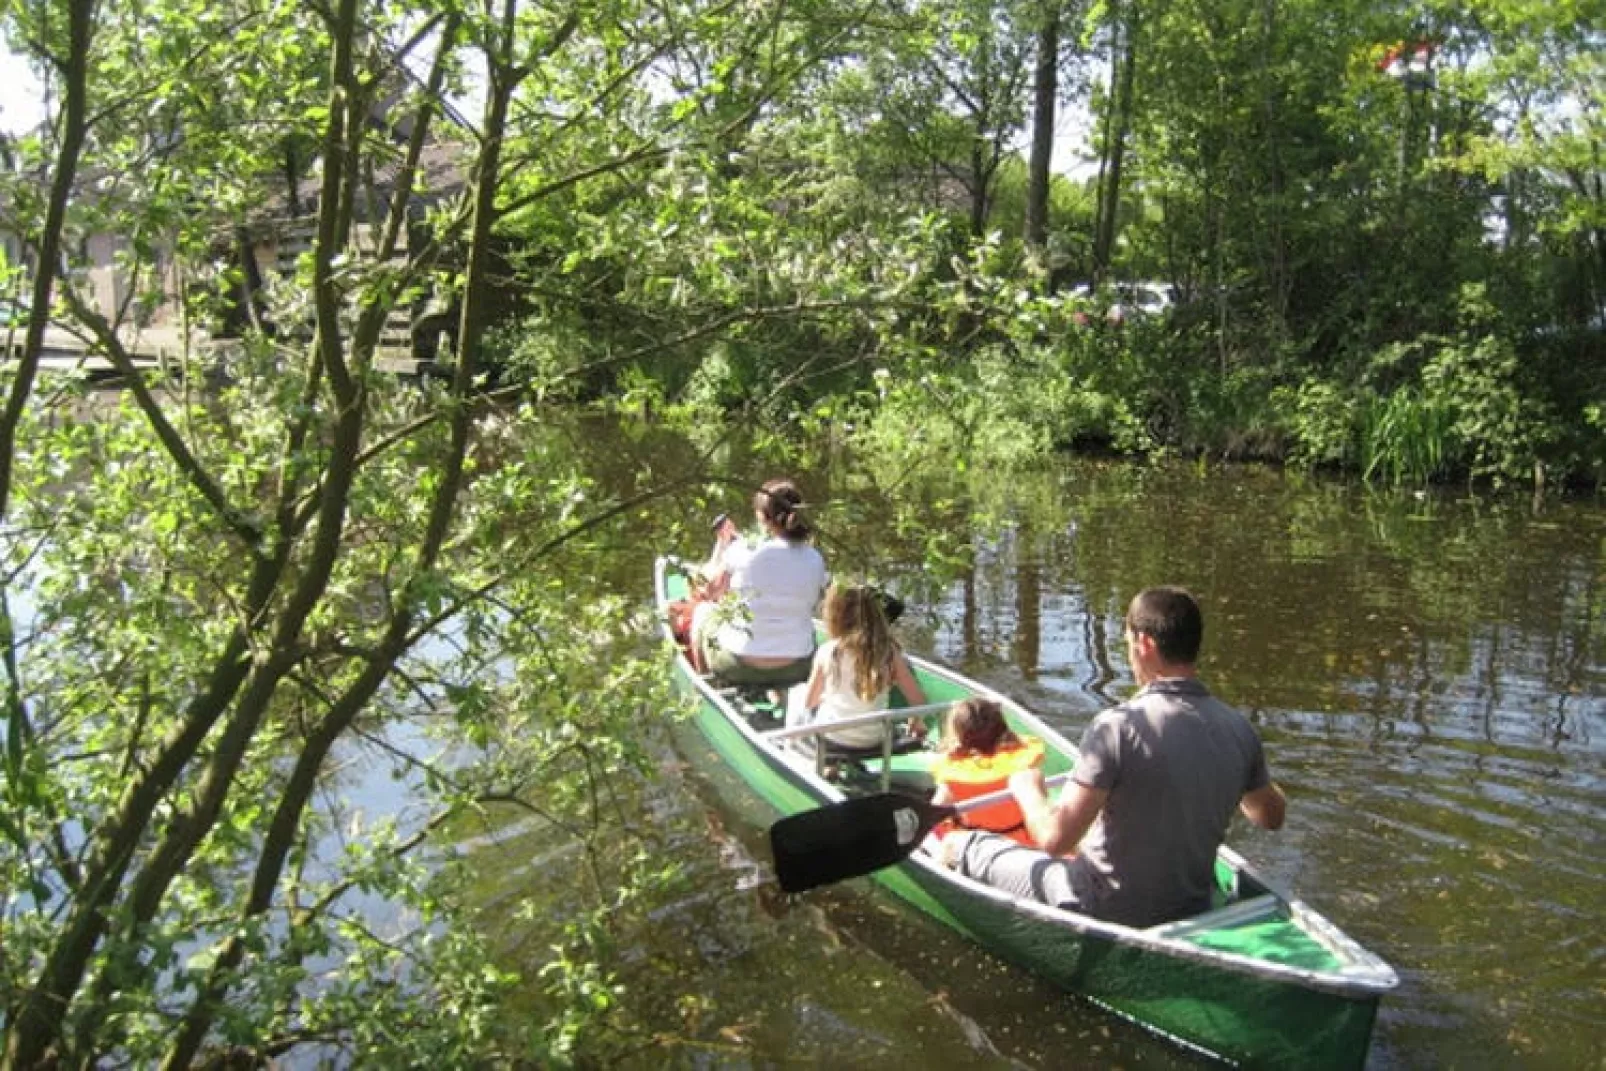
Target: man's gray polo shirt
[{"x": 1175, "y": 761}]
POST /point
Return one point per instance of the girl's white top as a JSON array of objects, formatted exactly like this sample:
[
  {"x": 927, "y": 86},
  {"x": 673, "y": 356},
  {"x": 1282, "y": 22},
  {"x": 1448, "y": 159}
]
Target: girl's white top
[
  {"x": 839, "y": 700},
  {"x": 780, "y": 584}
]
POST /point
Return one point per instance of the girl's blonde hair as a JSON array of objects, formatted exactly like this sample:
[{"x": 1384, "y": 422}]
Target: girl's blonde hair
[
  {"x": 976, "y": 727},
  {"x": 855, "y": 620}
]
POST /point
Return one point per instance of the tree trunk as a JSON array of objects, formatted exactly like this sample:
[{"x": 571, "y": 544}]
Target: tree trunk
[
  {"x": 979, "y": 180},
  {"x": 1123, "y": 71},
  {"x": 1279, "y": 281},
  {"x": 75, "y": 112},
  {"x": 34, "y": 1022},
  {"x": 1045, "y": 97}
]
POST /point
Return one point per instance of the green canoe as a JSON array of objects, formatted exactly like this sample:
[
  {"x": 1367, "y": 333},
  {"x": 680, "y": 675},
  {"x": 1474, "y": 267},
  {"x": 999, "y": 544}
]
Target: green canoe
[{"x": 1261, "y": 980}]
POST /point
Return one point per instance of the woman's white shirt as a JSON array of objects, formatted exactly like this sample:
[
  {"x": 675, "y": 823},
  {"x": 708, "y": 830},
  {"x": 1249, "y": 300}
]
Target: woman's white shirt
[
  {"x": 780, "y": 584},
  {"x": 839, "y": 700}
]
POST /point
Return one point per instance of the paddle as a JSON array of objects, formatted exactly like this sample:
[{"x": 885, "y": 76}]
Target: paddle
[{"x": 860, "y": 835}]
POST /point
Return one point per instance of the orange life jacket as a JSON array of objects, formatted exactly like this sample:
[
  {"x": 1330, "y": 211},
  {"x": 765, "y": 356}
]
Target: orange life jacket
[{"x": 976, "y": 775}]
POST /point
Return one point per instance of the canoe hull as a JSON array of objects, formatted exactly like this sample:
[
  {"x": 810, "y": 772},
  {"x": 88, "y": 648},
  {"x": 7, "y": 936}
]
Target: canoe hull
[
  {"x": 1252, "y": 1020},
  {"x": 1227, "y": 1009}
]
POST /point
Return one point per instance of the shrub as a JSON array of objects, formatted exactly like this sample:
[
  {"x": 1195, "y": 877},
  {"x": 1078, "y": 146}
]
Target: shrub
[
  {"x": 1322, "y": 418},
  {"x": 1501, "y": 430}
]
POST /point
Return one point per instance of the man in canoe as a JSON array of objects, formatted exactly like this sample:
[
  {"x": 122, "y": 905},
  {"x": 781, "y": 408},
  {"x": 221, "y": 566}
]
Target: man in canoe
[{"x": 1134, "y": 835}]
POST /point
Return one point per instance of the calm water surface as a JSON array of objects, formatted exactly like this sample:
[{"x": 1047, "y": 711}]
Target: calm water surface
[{"x": 1428, "y": 672}]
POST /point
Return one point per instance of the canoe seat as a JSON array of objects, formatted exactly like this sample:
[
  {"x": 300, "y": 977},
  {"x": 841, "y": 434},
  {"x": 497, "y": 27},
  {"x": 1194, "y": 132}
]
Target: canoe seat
[
  {"x": 752, "y": 701},
  {"x": 861, "y": 768},
  {"x": 1234, "y": 914},
  {"x": 857, "y": 780},
  {"x": 902, "y": 744}
]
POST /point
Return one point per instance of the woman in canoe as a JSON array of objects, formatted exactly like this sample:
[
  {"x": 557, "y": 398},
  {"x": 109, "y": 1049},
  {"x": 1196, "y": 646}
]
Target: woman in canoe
[
  {"x": 854, "y": 670},
  {"x": 763, "y": 633},
  {"x": 979, "y": 752}
]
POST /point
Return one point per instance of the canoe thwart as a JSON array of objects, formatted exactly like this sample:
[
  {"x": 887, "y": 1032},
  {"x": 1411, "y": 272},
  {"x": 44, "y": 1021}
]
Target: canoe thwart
[
  {"x": 1233, "y": 914},
  {"x": 873, "y": 717}
]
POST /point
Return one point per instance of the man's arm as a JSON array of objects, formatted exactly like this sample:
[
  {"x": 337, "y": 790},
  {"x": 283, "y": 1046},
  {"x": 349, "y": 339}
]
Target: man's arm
[
  {"x": 1266, "y": 806},
  {"x": 1058, "y": 830}
]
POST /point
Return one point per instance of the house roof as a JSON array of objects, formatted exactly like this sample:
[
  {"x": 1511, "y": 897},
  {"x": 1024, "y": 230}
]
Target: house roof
[{"x": 443, "y": 168}]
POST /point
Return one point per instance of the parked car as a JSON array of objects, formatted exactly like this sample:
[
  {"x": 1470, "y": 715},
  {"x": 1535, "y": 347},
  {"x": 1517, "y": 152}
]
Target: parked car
[
  {"x": 1124, "y": 301},
  {"x": 1141, "y": 299}
]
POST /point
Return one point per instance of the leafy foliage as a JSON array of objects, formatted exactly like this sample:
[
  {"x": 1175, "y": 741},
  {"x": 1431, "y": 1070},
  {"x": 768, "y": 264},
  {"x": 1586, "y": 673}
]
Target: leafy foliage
[{"x": 786, "y": 222}]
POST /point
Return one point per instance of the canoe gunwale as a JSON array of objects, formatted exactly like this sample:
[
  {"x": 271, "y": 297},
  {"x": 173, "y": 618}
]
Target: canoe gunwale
[
  {"x": 1356, "y": 979},
  {"x": 1362, "y": 976}
]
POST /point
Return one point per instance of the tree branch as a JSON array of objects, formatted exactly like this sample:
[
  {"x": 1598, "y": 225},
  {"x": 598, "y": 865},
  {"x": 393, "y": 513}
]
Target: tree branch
[{"x": 247, "y": 530}]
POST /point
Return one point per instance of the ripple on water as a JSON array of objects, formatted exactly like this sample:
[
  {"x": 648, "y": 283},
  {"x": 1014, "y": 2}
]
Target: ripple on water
[{"x": 1473, "y": 866}]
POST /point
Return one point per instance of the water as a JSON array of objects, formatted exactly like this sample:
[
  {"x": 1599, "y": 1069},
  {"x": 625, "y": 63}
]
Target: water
[{"x": 1428, "y": 674}]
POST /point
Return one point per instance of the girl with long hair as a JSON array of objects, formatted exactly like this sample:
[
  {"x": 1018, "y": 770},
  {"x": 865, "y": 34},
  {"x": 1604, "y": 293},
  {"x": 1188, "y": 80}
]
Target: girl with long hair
[{"x": 855, "y": 670}]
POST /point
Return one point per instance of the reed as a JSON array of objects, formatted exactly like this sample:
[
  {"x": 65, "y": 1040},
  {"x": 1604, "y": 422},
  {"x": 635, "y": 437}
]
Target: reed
[{"x": 1406, "y": 438}]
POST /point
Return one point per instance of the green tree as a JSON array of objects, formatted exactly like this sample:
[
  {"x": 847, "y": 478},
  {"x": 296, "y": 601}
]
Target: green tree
[
  {"x": 950, "y": 95},
  {"x": 224, "y": 592}
]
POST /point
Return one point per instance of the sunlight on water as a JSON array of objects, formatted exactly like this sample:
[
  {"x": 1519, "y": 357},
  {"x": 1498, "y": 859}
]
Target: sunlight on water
[{"x": 1428, "y": 675}]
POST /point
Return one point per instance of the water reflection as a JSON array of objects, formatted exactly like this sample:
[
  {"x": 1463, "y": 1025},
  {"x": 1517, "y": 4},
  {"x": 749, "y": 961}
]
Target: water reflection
[
  {"x": 1427, "y": 672},
  {"x": 846, "y": 977}
]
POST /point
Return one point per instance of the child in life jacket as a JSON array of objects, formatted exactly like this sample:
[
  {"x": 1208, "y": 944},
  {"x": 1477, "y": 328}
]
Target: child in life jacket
[{"x": 979, "y": 752}]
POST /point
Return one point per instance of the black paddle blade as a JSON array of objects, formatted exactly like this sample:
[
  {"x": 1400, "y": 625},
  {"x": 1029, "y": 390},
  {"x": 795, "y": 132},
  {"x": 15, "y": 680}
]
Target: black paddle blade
[{"x": 844, "y": 840}]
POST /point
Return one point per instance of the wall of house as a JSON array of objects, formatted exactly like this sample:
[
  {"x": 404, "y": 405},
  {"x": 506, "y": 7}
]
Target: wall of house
[
  {"x": 10, "y": 250},
  {"x": 110, "y": 285},
  {"x": 105, "y": 281}
]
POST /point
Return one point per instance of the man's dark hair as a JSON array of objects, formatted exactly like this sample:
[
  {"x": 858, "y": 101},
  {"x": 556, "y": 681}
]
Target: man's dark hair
[{"x": 1171, "y": 617}]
